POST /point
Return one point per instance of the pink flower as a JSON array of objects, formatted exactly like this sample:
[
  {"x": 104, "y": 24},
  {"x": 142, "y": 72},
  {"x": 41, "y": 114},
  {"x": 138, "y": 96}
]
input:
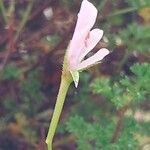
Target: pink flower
[{"x": 83, "y": 41}]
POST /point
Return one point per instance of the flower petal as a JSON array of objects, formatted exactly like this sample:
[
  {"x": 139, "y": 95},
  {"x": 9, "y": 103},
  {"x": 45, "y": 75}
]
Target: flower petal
[
  {"x": 86, "y": 16},
  {"x": 93, "y": 59},
  {"x": 94, "y": 37},
  {"x": 86, "y": 19}
]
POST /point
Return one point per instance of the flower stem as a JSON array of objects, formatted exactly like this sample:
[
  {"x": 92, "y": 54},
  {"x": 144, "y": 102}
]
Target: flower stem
[{"x": 64, "y": 85}]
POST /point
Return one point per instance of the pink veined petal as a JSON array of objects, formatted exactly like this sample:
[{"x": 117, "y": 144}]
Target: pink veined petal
[
  {"x": 93, "y": 59},
  {"x": 94, "y": 37},
  {"x": 86, "y": 19}
]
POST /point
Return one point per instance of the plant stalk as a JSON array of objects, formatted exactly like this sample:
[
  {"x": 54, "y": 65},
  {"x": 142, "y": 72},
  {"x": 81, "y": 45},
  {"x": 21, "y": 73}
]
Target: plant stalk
[
  {"x": 64, "y": 85},
  {"x": 119, "y": 124},
  {"x": 3, "y": 11},
  {"x": 24, "y": 18}
]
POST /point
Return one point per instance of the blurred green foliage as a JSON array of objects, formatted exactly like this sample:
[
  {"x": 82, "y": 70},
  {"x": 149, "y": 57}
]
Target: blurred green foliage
[
  {"x": 31, "y": 93},
  {"x": 134, "y": 34},
  {"x": 97, "y": 136},
  {"x": 11, "y": 72},
  {"x": 127, "y": 89},
  {"x": 138, "y": 3},
  {"x": 21, "y": 109}
]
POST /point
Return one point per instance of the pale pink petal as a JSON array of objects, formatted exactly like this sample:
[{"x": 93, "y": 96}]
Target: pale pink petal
[
  {"x": 93, "y": 59},
  {"x": 86, "y": 16},
  {"x": 86, "y": 19},
  {"x": 94, "y": 37}
]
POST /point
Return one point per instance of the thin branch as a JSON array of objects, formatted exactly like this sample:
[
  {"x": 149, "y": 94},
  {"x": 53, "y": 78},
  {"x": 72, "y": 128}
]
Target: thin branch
[
  {"x": 11, "y": 42},
  {"x": 24, "y": 19},
  {"x": 123, "y": 11},
  {"x": 3, "y": 11},
  {"x": 119, "y": 126}
]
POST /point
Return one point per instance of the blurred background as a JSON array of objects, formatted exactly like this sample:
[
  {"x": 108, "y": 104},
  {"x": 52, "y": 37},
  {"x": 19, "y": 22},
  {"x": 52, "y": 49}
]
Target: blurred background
[{"x": 110, "y": 110}]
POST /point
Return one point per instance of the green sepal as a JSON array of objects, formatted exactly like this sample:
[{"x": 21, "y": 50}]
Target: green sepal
[{"x": 75, "y": 76}]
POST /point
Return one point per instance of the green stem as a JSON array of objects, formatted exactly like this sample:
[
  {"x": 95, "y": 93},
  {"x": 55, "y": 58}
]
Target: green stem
[
  {"x": 64, "y": 85},
  {"x": 123, "y": 11},
  {"x": 3, "y": 11},
  {"x": 24, "y": 18}
]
